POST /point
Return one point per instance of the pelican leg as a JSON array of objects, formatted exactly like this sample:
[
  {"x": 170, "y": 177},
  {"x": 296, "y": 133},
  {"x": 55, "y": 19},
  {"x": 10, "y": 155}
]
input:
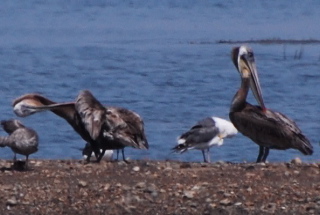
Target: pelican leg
[
  {"x": 263, "y": 154},
  {"x": 123, "y": 157},
  {"x": 96, "y": 150},
  {"x": 118, "y": 154},
  {"x": 101, "y": 155},
  {"x": 89, "y": 154}
]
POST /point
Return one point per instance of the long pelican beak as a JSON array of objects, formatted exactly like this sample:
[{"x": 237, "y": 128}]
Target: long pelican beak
[
  {"x": 248, "y": 61},
  {"x": 24, "y": 109}
]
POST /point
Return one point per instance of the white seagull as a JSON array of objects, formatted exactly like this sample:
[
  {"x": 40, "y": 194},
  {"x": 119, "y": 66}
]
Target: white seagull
[{"x": 208, "y": 132}]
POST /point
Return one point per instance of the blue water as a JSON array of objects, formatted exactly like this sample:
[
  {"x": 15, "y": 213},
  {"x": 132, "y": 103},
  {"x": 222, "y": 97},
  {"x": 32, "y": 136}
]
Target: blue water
[{"x": 162, "y": 60}]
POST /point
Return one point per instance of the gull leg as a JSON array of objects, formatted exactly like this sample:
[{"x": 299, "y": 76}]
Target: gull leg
[
  {"x": 204, "y": 156},
  {"x": 123, "y": 157},
  {"x": 208, "y": 155}
]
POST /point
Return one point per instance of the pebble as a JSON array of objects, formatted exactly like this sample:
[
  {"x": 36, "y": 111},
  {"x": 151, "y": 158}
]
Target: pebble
[
  {"x": 296, "y": 161},
  {"x": 141, "y": 185},
  {"x": 106, "y": 187},
  {"x": 188, "y": 194},
  {"x": 136, "y": 169},
  {"x": 12, "y": 201},
  {"x": 82, "y": 183},
  {"x": 225, "y": 202},
  {"x": 287, "y": 173}
]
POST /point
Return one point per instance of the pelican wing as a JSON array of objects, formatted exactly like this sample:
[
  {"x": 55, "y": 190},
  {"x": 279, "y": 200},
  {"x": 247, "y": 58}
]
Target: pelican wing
[
  {"x": 91, "y": 112},
  {"x": 127, "y": 127},
  {"x": 270, "y": 129}
]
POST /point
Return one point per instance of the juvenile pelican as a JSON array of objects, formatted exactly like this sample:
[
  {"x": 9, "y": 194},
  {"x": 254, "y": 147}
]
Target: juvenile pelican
[
  {"x": 204, "y": 134},
  {"x": 21, "y": 140},
  {"x": 103, "y": 127},
  {"x": 269, "y": 129}
]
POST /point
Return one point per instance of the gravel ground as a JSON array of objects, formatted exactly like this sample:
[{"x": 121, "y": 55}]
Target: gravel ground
[{"x": 159, "y": 187}]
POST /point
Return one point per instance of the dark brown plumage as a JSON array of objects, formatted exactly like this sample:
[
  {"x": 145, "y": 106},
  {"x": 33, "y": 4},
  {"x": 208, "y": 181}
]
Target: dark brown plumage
[
  {"x": 103, "y": 127},
  {"x": 269, "y": 129}
]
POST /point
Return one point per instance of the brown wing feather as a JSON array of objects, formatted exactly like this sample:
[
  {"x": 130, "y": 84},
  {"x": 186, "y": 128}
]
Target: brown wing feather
[
  {"x": 271, "y": 129},
  {"x": 91, "y": 112},
  {"x": 126, "y": 127}
]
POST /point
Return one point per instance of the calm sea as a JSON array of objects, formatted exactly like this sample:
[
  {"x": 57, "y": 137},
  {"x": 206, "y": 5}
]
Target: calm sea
[{"x": 162, "y": 60}]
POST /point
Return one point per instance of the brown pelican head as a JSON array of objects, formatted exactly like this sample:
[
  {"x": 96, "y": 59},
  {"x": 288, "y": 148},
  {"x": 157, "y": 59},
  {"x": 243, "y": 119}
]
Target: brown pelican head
[
  {"x": 243, "y": 59},
  {"x": 29, "y": 104},
  {"x": 22, "y": 106}
]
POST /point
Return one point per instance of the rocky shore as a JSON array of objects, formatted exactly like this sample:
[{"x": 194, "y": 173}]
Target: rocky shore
[{"x": 159, "y": 187}]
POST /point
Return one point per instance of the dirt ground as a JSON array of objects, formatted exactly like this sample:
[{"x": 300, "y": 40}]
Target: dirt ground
[{"x": 159, "y": 187}]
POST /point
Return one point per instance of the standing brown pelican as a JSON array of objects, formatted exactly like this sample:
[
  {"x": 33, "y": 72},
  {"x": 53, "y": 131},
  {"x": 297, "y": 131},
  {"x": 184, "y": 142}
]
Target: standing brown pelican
[
  {"x": 267, "y": 128},
  {"x": 206, "y": 133},
  {"x": 21, "y": 140},
  {"x": 103, "y": 127}
]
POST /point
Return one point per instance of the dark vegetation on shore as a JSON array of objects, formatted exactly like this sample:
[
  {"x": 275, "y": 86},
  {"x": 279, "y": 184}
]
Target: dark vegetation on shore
[{"x": 271, "y": 41}]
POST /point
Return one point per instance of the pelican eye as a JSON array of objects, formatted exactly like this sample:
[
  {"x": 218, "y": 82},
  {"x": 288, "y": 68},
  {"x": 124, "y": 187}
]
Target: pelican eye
[{"x": 250, "y": 56}]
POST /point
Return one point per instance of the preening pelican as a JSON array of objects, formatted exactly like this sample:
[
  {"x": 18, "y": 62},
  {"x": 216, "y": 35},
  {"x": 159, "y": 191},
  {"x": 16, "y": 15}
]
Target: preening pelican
[
  {"x": 269, "y": 129},
  {"x": 21, "y": 140},
  {"x": 203, "y": 135},
  {"x": 103, "y": 127}
]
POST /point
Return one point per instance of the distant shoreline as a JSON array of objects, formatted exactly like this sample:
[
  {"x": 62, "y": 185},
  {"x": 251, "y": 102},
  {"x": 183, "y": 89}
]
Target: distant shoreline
[{"x": 272, "y": 41}]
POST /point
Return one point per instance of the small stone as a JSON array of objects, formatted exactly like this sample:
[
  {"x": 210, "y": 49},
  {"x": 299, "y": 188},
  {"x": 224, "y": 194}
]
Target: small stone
[
  {"x": 238, "y": 203},
  {"x": 106, "y": 187},
  {"x": 208, "y": 200},
  {"x": 226, "y": 194},
  {"x": 141, "y": 185},
  {"x": 12, "y": 202},
  {"x": 136, "y": 169},
  {"x": 261, "y": 164},
  {"x": 225, "y": 202},
  {"x": 296, "y": 161},
  {"x": 188, "y": 194},
  {"x": 82, "y": 183}
]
